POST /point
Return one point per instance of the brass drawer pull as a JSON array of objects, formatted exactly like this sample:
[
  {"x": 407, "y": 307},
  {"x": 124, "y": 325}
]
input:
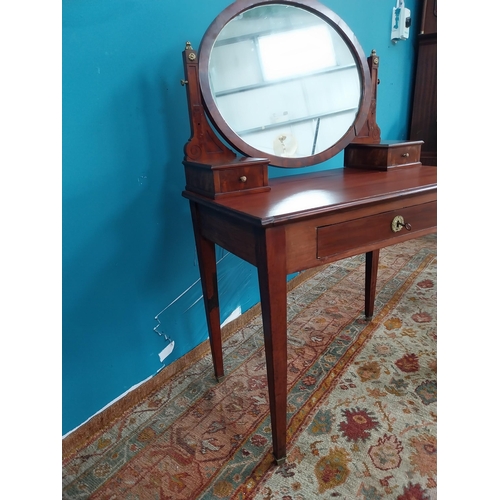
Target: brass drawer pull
[
  {"x": 405, "y": 155},
  {"x": 243, "y": 178},
  {"x": 398, "y": 223}
]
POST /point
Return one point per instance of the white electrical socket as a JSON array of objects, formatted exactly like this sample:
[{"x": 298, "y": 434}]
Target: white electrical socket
[{"x": 401, "y": 22}]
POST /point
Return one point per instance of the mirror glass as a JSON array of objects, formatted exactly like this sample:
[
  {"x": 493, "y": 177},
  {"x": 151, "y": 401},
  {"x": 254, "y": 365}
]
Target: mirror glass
[{"x": 281, "y": 82}]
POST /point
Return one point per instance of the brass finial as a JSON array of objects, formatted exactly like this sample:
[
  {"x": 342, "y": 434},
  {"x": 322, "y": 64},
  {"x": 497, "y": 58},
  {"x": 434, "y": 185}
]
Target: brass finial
[{"x": 188, "y": 46}]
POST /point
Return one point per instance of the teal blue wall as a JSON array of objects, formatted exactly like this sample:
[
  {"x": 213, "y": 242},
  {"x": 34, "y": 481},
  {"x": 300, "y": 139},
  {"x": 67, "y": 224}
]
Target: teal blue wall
[{"x": 128, "y": 249}]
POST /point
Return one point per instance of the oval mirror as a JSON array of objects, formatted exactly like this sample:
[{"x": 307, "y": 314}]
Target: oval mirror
[{"x": 284, "y": 80}]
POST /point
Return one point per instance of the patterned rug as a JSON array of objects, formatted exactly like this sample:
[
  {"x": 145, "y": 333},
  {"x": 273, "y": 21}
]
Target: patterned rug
[{"x": 361, "y": 405}]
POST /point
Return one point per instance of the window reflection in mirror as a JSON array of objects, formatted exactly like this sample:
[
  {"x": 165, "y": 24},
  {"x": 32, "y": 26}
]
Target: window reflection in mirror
[
  {"x": 284, "y": 80},
  {"x": 293, "y": 53}
]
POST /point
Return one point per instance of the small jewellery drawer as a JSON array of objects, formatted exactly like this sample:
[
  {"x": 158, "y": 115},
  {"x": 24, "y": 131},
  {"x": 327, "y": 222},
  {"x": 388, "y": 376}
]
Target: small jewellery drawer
[
  {"x": 403, "y": 154},
  {"x": 383, "y": 156},
  {"x": 240, "y": 176},
  {"x": 236, "y": 178},
  {"x": 384, "y": 228}
]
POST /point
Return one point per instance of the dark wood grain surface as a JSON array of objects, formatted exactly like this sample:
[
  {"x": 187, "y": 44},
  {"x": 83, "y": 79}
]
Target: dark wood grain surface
[{"x": 307, "y": 195}]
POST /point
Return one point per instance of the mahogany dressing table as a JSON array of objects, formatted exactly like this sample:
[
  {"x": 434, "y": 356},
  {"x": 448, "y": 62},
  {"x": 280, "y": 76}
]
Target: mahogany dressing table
[{"x": 382, "y": 196}]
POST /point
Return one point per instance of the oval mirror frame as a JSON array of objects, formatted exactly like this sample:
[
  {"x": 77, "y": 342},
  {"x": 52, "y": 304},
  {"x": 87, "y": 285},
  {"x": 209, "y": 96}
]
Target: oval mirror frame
[{"x": 330, "y": 18}]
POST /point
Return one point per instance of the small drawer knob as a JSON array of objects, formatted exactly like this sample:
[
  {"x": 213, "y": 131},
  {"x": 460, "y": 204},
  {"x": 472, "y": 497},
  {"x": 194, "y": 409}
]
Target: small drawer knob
[
  {"x": 405, "y": 155},
  {"x": 243, "y": 178}
]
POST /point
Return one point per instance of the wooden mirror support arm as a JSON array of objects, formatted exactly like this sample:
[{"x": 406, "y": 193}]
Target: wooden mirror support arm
[
  {"x": 370, "y": 131},
  {"x": 204, "y": 146}
]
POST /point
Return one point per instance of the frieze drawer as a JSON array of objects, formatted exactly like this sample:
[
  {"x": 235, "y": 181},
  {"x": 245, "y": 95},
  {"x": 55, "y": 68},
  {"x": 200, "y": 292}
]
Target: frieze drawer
[{"x": 385, "y": 228}]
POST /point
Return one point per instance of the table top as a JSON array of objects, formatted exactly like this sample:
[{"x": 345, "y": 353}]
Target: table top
[{"x": 297, "y": 197}]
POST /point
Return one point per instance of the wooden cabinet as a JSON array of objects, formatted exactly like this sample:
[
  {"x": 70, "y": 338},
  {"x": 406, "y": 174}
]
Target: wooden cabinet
[{"x": 424, "y": 112}]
